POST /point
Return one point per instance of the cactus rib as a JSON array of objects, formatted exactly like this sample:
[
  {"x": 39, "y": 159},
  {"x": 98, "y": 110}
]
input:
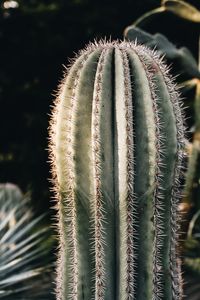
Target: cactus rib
[{"x": 126, "y": 167}]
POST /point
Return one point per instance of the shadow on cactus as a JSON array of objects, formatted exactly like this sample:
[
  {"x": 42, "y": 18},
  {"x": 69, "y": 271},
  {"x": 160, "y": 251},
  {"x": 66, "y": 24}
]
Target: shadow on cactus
[
  {"x": 25, "y": 249},
  {"x": 117, "y": 140}
]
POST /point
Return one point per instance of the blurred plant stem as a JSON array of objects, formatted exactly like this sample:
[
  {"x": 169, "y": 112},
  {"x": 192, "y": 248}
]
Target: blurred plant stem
[
  {"x": 194, "y": 147},
  {"x": 192, "y": 224},
  {"x": 179, "y": 8},
  {"x": 197, "y": 102},
  {"x": 147, "y": 15}
]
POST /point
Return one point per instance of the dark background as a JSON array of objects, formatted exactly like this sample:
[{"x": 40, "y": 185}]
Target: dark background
[{"x": 36, "y": 39}]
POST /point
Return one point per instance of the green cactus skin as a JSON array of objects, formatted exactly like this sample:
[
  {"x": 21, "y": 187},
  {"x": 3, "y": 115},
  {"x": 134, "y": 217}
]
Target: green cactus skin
[{"x": 116, "y": 148}]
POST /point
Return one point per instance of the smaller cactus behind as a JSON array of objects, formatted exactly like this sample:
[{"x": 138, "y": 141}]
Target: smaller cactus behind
[{"x": 116, "y": 147}]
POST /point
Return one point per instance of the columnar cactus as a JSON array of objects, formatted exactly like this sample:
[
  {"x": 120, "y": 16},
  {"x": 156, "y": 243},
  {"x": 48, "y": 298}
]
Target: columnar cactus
[{"x": 116, "y": 148}]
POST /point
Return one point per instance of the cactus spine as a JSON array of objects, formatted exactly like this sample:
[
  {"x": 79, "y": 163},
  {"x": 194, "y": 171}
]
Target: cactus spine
[{"x": 117, "y": 139}]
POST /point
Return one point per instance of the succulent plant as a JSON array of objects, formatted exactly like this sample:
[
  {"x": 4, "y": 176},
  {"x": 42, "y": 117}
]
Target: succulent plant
[
  {"x": 116, "y": 148},
  {"x": 25, "y": 248}
]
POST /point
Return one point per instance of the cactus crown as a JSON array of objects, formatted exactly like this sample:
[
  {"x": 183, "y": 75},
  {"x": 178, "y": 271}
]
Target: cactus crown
[{"x": 116, "y": 148}]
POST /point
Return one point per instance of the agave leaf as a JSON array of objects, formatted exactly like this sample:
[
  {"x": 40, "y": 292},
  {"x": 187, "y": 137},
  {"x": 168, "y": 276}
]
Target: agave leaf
[
  {"x": 17, "y": 233},
  {"x": 19, "y": 277},
  {"x": 182, "y": 9},
  {"x": 25, "y": 263},
  {"x": 16, "y": 255},
  {"x": 181, "y": 58},
  {"x": 23, "y": 246},
  {"x": 12, "y": 230},
  {"x": 6, "y": 220}
]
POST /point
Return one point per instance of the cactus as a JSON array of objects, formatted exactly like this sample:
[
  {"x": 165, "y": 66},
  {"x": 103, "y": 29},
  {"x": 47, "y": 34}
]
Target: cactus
[{"x": 116, "y": 149}]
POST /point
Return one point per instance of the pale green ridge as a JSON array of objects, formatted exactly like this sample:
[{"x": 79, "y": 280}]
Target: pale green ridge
[
  {"x": 175, "y": 261},
  {"x": 174, "y": 153},
  {"x": 168, "y": 136},
  {"x": 84, "y": 175},
  {"x": 68, "y": 279},
  {"x": 166, "y": 158},
  {"x": 124, "y": 121},
  {"x": 103, "y": 170},
  {"x": 61, "y": 136},
  {"x": 145, "y": 168}
]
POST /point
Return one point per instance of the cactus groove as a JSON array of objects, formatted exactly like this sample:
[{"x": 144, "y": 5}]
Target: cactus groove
[{"x": 116, "y": 148}]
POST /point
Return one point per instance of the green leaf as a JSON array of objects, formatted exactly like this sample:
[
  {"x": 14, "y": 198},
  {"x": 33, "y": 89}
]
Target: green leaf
[
  {"x": 182, "y": 60},
  {"x": 182, "y": 9}
]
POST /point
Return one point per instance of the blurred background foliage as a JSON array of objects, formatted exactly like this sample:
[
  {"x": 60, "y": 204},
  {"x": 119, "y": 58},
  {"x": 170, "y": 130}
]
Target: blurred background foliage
[{"x": 36, "y": 38}]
